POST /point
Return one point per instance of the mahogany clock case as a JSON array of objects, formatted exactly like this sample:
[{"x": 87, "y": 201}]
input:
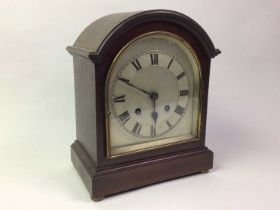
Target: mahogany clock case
[{"x": 102, "y": 175}]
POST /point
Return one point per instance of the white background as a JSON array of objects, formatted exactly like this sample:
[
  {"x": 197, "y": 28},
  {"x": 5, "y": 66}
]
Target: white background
[{"x": 37, "y": 119}]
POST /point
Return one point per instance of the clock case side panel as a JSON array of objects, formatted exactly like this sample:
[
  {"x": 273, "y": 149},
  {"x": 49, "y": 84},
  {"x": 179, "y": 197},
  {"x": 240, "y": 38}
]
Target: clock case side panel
[
  {"x": 85, "y": 105},
  {"x": 102, "y": 71}
]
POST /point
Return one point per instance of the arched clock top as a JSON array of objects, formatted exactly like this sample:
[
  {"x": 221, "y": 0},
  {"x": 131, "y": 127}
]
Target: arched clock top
[{"x": 96, "y": 39}]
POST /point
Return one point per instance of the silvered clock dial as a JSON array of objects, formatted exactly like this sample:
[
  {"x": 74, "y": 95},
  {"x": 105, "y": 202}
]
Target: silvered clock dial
[{"x": 152, "y": 94}]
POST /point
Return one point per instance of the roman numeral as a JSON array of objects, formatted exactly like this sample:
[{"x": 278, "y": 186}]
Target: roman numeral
[
  {"x": 179, "y": 110},
  {"x": 153, "y": 131},
  {"x": 120, "y": 99},
  {"x": 137, "y": 128},
  {"x": 169, "y": 124},
  {"x": 136, "y": 65},
  {"x": 170, "y": 63},
  {"x": 154, "y": 59},
  {"x": 184, "y": 92},
  {"x": 124, "y": 117},
  {"x": 181, "y": 75}
]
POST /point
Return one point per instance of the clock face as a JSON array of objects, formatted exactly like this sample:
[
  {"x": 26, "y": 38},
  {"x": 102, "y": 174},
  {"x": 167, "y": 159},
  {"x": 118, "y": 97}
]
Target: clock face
[{"x": 152, "y": 94}]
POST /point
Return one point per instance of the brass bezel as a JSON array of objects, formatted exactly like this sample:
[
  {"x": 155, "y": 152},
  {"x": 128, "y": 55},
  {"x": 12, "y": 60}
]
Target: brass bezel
[{"x": 107, "y": 111}]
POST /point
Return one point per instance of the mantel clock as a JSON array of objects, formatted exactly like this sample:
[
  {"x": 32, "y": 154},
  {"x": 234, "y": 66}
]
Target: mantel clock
[{"x": 141, "y": 86}]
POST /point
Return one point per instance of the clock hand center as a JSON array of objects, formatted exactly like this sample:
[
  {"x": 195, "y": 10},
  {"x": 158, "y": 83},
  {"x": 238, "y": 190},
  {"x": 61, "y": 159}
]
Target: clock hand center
[{"x": 154, "y": 96}]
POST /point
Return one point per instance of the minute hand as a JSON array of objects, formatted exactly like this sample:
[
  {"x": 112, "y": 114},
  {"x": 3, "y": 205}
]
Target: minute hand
[{"x": 128, "y": 83}]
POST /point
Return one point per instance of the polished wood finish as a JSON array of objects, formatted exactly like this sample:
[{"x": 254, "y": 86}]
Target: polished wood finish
[
  {"x": 135, "y": 174},
  {"x": 103, "y": 176}
]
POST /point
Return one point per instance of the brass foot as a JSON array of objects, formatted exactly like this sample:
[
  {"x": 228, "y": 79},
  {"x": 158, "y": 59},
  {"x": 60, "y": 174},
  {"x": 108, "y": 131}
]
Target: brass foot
[
  {"x": 97, "y": 199},
  {"x": 204, "y": 172}
]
